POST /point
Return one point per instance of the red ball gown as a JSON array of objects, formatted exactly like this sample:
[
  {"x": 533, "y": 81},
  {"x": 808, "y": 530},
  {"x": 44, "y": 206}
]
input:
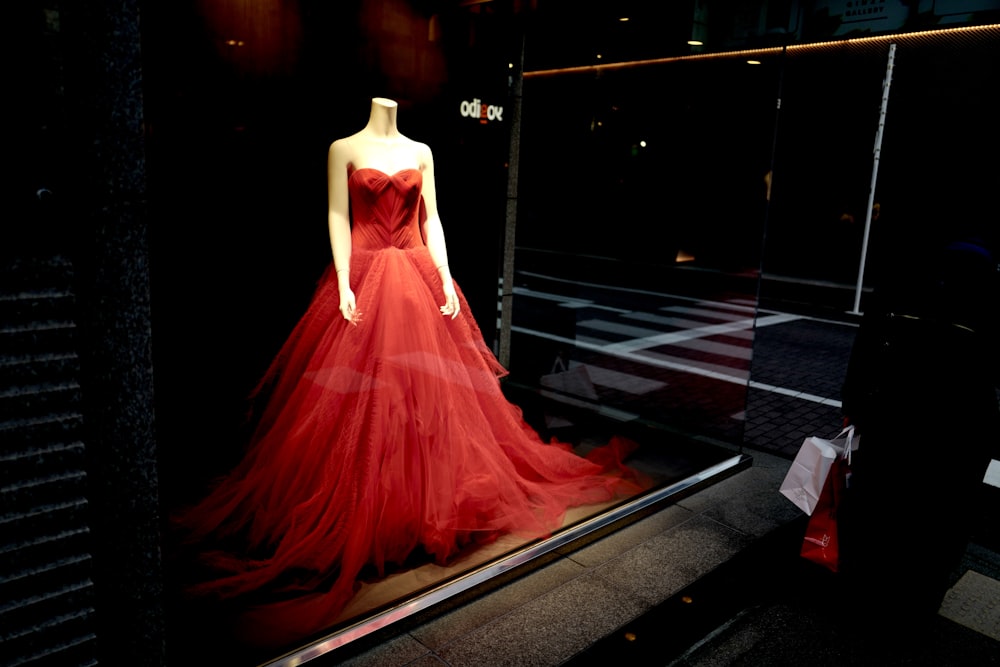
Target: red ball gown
[{"x": 382, "y": 438}]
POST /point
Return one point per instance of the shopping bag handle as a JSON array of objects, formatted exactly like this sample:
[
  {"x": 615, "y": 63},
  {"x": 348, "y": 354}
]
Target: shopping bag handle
[{"x": 850, "y": 447}]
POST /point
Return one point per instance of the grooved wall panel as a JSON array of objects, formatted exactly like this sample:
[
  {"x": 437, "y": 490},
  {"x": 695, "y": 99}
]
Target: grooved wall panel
[{"x": 46, "y": 591}]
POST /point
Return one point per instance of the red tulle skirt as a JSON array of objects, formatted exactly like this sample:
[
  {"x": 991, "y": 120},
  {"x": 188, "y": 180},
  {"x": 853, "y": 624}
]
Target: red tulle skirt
[{"x": 377, "y": 440}]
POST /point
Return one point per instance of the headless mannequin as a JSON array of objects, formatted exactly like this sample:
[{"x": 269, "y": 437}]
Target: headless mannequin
[{"x": 380, "y": 146}]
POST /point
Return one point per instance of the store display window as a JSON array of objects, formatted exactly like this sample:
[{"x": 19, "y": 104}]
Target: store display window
[{"x": 625, "y": 201}]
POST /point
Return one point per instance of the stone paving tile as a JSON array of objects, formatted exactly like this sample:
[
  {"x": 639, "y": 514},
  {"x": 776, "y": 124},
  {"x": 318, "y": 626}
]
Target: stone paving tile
[
  {"x": 487, "y": 609},
  {"x": 613, "y": 544},
  {"x": 402, "y": 650},
  {"x": 975, "y": 603},
  {"x": 548, "y": 630},
  {"x": 658, "y": 568}
]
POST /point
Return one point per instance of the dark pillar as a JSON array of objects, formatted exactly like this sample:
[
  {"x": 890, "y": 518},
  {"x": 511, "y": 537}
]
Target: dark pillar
[{"x": 107, "y": 205}]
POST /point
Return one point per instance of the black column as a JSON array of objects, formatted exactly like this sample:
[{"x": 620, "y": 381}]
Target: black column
[{"x": 106, "y": 204}]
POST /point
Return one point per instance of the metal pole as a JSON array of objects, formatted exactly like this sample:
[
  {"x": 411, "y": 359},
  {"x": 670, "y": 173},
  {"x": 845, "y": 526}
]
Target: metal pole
[
  {"x": 507, "y": 286},
  {"x": 871, "y": 190}
]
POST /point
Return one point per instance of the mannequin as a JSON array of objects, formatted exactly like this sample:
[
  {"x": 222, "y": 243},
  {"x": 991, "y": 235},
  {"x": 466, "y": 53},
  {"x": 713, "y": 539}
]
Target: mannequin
[
  {"x": 380, "y": 145},
  {"x": 384, "y": 435}
]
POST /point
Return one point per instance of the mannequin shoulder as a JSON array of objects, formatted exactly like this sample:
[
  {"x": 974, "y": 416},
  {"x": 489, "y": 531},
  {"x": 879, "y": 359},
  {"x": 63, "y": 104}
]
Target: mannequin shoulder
[
  {"x": 343, "y": 152},
  {"x": 424, "y": 154},
  {"x": 341, "y": 147}
]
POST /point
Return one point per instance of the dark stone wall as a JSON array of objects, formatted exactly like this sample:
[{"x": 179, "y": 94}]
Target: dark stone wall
[
  {"x": 105, "y": 108},
  {"x": 76, "y": 290}
]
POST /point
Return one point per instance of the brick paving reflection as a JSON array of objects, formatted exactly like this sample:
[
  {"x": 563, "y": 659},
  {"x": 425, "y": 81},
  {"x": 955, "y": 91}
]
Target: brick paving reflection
[{"x": 807, "y": 356}]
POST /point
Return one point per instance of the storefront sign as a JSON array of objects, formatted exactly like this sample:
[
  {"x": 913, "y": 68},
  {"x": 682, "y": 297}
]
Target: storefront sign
[
  {"x": 866, "y": 15},
  {"x": 484, "y": 112}
]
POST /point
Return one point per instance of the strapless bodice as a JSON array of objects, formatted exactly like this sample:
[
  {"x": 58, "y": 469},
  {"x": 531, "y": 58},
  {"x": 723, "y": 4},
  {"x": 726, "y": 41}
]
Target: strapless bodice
[{"x": 385, "y": 208}]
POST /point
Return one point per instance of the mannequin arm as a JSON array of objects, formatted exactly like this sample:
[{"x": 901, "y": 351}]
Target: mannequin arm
[
  {"x": 434, "y": 234},
  {"x": 338, "y": 220}
]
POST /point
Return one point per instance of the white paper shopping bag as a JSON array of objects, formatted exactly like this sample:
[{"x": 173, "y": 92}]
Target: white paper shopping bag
[{"x": 805, "y": 478}]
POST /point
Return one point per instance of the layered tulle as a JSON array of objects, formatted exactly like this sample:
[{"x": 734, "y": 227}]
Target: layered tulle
[{"x": 383, "y": 437}]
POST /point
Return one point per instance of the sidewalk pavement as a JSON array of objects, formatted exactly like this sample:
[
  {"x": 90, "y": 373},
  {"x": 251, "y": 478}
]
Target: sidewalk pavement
[{"x": 768, "y": 606}]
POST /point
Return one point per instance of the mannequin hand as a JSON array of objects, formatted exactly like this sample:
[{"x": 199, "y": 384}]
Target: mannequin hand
[
  {"x": 451, "y": 305},
  {"x": 349, "y": 307}
]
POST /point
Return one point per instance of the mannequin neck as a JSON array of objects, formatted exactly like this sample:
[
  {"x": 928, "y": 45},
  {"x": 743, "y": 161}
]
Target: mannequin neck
[{"x": 382, "y": 121}]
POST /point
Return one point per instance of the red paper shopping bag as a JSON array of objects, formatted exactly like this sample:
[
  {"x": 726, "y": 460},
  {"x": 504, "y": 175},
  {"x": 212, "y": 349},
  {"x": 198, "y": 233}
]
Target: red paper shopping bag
[{"x": 821, "y": 544}]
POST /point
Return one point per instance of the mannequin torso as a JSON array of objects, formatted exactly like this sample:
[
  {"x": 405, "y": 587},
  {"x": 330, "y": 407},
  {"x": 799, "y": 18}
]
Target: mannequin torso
[{"x": 381, "y": 146}]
